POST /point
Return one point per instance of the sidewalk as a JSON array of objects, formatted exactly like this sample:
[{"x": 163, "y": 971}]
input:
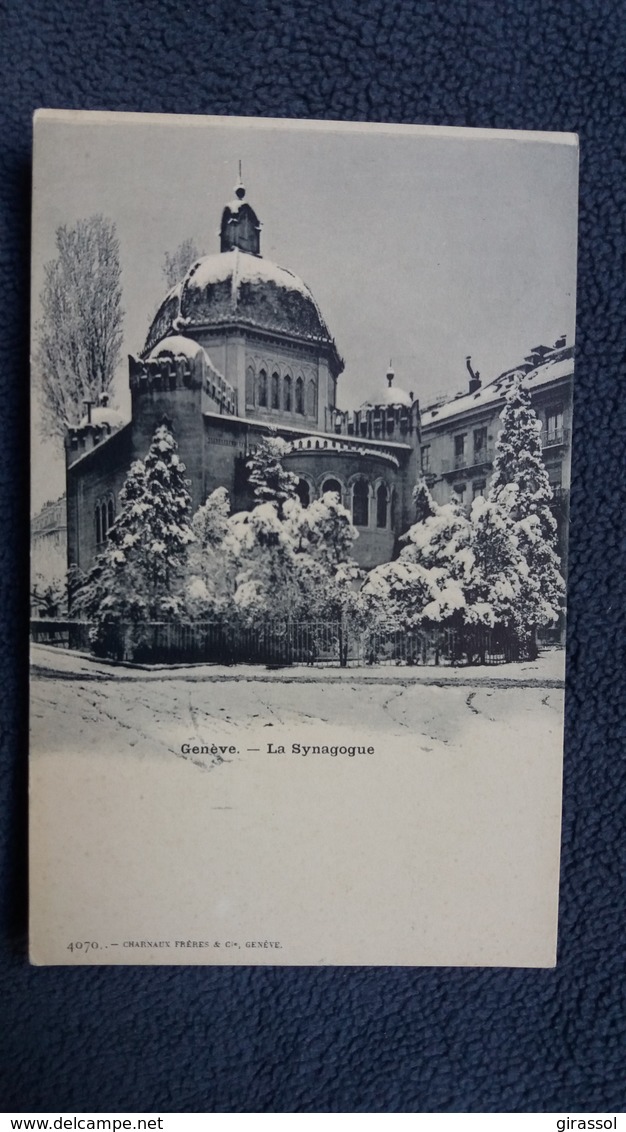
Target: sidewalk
[{"x": 548, "y": 671}]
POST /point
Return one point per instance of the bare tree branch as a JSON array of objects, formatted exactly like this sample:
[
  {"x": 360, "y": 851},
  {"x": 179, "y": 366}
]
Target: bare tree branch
[
  {"x": 79, "y": 335},
  {"x": 177, "y": 264}
]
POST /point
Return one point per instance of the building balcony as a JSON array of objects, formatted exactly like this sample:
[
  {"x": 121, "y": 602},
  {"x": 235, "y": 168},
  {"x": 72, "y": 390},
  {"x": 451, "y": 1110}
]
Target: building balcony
[
  {"x": 555, "y": 438},
  {"x": 467, "y": 461}
]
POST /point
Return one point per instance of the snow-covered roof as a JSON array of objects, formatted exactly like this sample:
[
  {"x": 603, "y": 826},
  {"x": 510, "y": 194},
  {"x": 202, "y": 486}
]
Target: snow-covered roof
[
  {"x": 351, "y": 442},
  {"x": 559, "y": 365},
  {"x": 320, "y": 443},
  {"x": 103, "y": 415},
  {"x": 390, "y": 396},
  {"x": 176, "y": 344}
]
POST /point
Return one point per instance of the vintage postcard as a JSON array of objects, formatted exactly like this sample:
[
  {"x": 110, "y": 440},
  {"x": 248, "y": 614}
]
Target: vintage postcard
[{"x": 301, "y": 430}]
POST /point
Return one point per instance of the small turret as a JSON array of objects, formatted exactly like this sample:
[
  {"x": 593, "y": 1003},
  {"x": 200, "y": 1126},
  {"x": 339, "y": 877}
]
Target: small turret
[{"x": 240, "y": 226}]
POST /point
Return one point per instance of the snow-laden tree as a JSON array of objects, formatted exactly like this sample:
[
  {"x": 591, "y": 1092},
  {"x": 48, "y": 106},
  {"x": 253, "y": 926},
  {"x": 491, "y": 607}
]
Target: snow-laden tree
[
  {"x": 267, "y": 476},
  {"x": 79, "y": 334},
  {"x": 176, "y": 264},
  {"x": 521, "y": 487},
  {"x": 260, "y": 550},
  {"x": 323, "y": 538},
  {"x": 138, "y": 576},
  {"x": 209, "y": 569},
  {"x": 519, "y": 462},
  {"x": 423, "y": 501},
  {"x": 48, "y": 597},
  {"x": 425, "y": 583},
  {"x": 496, "y": 585},
  {"x": 324, "y": 529},
  {"x": 406, "y": 595},
  {"x": 258, "y": 565},
  {"x": 440, "y": 541},
  {"x": 112, "y": 593}
]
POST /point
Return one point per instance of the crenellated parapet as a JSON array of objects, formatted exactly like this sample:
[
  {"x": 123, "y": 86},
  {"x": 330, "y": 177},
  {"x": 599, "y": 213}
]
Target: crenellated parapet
[
  {"x": 170, "y": 372},
  {"x": 89, "y": 435},
  {"x": 166, "y": 373},
  {"x": 380, "y": 422},
  {"x": 220, "y": 391}
]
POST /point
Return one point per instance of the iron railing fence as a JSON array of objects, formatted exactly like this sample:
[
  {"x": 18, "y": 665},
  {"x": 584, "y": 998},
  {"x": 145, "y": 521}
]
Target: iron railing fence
[
  {"x": 63, "y": 634},
  {"x": 282, "y": 643}
]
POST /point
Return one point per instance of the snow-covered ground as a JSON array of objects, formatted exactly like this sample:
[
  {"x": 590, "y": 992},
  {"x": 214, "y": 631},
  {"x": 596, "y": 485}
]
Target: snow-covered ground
[
  {"x": 437, "y": 843},
  {"x": 157, "y": 717},
  {"x": 547, "y": 671}
]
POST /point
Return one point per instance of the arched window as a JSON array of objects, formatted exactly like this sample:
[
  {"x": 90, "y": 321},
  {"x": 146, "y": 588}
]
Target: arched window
[
  {"x": 250, "y": 385},
  {"x": 303, "y": 491},
  {"x": 311, "y": 399},
  {"x": 110, "y": 514},
  {"x": 381, "y": 506},
  {"x": 287, "y": 393},
  {"x": 360, "y": 504},
  {"x": 275, "y": 391},
  {"x": 98, "y": 525},
  {"x": 263, "y": 389},
  {"x": 299, "y": 395},
  {"x": 332, "y": 485},
  {"x": 393, "y": 509}
]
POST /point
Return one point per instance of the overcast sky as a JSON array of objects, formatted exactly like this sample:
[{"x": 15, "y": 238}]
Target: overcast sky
[{"x": 419, "y": 245}]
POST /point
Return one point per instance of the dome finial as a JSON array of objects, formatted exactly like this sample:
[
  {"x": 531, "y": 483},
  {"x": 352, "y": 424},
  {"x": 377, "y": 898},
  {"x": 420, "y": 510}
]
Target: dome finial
[
  {"x": 240, "y": 188},
  {"x": 390, "y": 373}
]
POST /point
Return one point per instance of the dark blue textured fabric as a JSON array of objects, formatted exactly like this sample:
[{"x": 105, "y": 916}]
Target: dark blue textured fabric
[{"x": 356, "y": 1039}]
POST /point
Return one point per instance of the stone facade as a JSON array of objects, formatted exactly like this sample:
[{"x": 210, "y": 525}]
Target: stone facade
[{"x": 49, "y": 542}]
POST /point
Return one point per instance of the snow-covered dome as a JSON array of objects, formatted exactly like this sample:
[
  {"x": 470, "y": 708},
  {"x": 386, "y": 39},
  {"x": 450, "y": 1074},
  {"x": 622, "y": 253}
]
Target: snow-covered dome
[
  {"x": 235, "y": 286},
  {"x": 391, "y": 395}
]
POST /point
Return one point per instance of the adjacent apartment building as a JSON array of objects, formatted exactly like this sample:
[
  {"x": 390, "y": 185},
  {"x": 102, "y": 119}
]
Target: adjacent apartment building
[{"x": 459, "y": 435}]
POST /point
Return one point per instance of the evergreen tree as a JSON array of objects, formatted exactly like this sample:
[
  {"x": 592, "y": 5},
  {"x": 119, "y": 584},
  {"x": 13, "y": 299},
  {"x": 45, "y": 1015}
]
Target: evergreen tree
[
  {"x": 496, "y": 589},
  {"x": 209, "y": 570},
  {"x": 210, "y": 522},
  {"x": 267, "y": 476},
  {"x": 521, "y": 487},
  {"x": 423, "y": 501},
  {"x": 324, "y": 529},
  {"x": 166, "y": 511},
  {"x": 261, "y": 554},
  {"x": 298, "y": 566},
  {"x": 519, "y": 462},
  {"x": 425, "y": 583},
  {"x": 441, "y": 540},
  {"x": 138, "y": 575},
  {"x": 405, "y": 595},
  {"x": 327, "y": 574}
]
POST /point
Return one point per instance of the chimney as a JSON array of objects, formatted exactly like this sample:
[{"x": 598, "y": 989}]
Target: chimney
[{"x": 474, "y": 383}]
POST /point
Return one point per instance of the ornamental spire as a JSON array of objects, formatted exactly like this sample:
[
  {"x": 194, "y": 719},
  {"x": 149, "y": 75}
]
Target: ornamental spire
[{"x": 390, "y": 374}]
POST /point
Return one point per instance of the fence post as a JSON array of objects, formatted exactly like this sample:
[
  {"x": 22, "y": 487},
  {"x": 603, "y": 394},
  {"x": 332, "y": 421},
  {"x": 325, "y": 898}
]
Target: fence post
[{"x": 343, "y": 643}]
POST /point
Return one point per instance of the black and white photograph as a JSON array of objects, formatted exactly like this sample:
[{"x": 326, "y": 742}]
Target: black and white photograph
[{"x": 301, "y": 448}]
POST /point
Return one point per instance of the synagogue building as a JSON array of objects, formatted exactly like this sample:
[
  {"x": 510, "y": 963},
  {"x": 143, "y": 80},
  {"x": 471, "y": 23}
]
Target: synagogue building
[{"x": 239, "y": 348}]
